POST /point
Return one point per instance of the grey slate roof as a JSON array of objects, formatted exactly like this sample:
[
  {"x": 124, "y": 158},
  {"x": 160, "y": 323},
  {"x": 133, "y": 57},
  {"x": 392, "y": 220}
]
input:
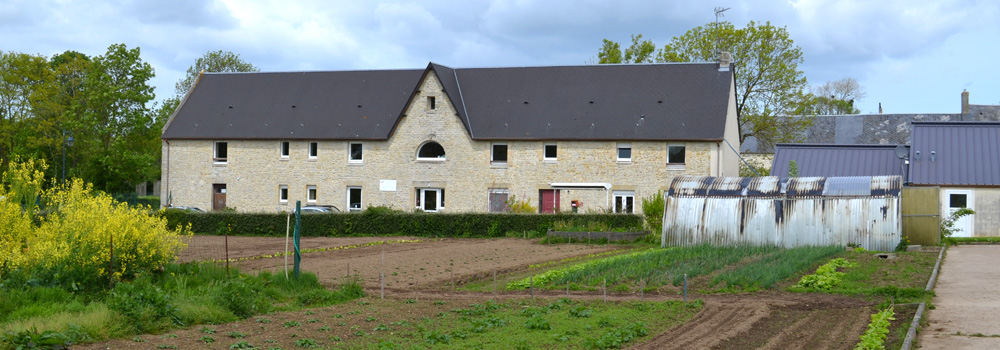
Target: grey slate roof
[
  {"x": 856, "y": 129},
  {"x": 678, "y": 101},
  {"x": 837, "y": 160},
  {"x": 955, "y": 153}
]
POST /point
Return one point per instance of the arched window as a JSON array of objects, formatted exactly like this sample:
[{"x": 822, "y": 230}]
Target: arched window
[{"x": 431, "y": 150}]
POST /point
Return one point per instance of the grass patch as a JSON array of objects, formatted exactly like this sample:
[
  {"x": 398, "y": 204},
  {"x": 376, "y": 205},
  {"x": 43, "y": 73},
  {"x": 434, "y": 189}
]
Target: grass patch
[
  {"x": 966, "y": 240},
  {"x": 186, "y": 294},
  {"x": 901, "y": 278}
]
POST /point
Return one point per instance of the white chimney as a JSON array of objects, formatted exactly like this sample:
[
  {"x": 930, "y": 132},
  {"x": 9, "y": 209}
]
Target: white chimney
[{"x": 724, "y": 60}]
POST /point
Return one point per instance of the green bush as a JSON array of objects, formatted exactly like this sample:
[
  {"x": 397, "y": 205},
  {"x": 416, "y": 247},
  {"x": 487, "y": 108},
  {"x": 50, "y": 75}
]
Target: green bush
[
  {"x": 389, "y": 223},
  {"x": 147, "y": 307},
  {"x": 244, "y": 297}
]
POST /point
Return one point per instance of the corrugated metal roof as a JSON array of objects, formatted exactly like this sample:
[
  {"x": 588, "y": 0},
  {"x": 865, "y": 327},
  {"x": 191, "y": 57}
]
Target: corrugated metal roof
[
  {"x": 955, "y": 153},
  {"x": 677, "y": 101},
  {"x": 837, "y": 160},
  {"x": 772, "y": 186}
]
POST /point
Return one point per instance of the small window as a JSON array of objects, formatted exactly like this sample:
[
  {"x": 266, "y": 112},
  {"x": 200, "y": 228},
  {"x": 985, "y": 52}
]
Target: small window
[
  {"x": 431, "y": 150},
  {"x": 498, "y": 198},
  {"x": 283, "y": 193},
  {"x": 550, "y": 151},
  {"x": 354, "y": 198},
  {"x": 313, "y": 149},
  {"x": 624, "y": 202},
  {"x": 311, "y": 193},
  {"x": 499, "y": 153},
  {"x": 357, "y": 153},
  {"x": 221, "y": 152},
  {"x": 431, "y": 102},
  {"x": 958, "y": 200},
  {"x": 284, "y": 149},
  {"x": 624, "y": 152},
  {"x": 675, "y": 155},
  {"x": 430, "y": 199}
]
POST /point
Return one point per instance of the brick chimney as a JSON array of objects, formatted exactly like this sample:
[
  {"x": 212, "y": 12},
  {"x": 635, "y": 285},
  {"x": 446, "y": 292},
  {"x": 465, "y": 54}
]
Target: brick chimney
[{"x": 965, "y": 101}]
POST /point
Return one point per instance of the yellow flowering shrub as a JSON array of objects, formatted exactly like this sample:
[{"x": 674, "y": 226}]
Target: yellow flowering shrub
[
  {"x": 75, "y": 242},
  {"x": 22, "y": 183}
]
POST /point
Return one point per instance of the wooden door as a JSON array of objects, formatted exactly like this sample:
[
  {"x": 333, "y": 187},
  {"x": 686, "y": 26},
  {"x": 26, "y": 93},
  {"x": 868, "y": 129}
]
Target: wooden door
[
  {"x": 218, "y": 196},
  {"x": 548, "y": 201}
]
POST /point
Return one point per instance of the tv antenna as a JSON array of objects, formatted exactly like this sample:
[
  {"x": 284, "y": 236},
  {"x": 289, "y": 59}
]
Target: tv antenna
[{"x": 718, "y": 13}]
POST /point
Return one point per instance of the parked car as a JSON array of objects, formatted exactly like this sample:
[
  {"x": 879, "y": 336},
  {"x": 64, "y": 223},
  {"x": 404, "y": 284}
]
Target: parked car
[
  {"x": 313, "y": 209},
  {"x": 187, "y": 209}
]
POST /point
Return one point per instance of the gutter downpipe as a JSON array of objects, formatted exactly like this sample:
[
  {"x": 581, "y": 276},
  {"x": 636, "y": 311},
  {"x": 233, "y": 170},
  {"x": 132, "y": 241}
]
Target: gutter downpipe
[{"x": 166, "y": 180}]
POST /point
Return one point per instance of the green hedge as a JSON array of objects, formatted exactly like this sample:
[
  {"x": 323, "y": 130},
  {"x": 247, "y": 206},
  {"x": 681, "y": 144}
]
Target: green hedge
[{"x": 388, "y": 224}]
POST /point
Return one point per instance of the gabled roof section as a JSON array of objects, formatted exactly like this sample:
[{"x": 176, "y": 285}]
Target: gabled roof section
[
  {"x": 294, "y": 105},
  {"x": 955, "y": 153},
  {"x": 675, "y": 101},
  {"x": 828, "y": 160}
]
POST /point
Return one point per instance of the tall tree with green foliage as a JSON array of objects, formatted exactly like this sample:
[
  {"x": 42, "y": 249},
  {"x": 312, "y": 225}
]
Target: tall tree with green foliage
[
  {"x": 833, "y": 98},
  {"x": 768, "y": 81},
  {"x": 26, "y": 87},
  {"x": 213, "y": 61}
]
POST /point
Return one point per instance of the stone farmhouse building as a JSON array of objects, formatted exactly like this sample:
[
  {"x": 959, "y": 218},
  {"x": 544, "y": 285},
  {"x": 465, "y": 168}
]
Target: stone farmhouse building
[{"x": 440, "y": 139}]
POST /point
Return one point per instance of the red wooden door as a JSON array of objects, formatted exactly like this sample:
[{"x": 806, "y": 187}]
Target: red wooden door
[{"x": 548, "y": 201}]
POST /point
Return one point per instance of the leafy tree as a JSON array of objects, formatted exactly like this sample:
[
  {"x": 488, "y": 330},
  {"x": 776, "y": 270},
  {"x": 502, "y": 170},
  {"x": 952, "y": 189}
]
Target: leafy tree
[
  {"x": 768, "y": 82},
  {"x": 641, "y": 51},
  {"x": 213, "y": 61},
  {"x": 25, "y": 86},
  {"x": 832, "y": 98}
]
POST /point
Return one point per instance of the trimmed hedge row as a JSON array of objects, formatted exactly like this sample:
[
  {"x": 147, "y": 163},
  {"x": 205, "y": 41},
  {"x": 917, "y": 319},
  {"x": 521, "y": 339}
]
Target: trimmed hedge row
[{"x": 387, "y": 224}]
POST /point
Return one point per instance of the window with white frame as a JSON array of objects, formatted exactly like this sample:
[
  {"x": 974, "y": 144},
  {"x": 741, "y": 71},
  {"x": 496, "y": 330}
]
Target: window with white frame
[
  {"x": 285, "y": 149},
  {"x": 431, "y": 151},
  {"x": 676, "y": 154},
  {"x": 354, "y": 198},
  {"x": 356, "y": 151},
  {"x": 624, "y": 202},
  {"x": 498, "y": 198},
  {"x": 498, "y": 153},
  {"x": 311, "y": 193},
  {"x": 430, "y": 200},
  {"x": 221, "y": 153},
  {"x": 550, "y": 151},
  {"x": 624, "y": 152},
  {"x": 313, "y": 150},
  {"x": 283, "y": 193}
]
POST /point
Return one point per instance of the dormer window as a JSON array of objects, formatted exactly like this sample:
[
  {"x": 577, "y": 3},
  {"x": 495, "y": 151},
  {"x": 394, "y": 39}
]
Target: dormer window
[{"x": 431, "y": 151}]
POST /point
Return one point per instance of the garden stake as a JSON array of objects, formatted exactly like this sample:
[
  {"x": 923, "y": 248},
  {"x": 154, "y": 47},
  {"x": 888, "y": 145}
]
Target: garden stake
[
  {"x": 567, "y": 289},
  {"x": 112, "y": 261},
  {"x": 452, "y": 282},
  {"x": 494, "y": 282},
  {"x": 227, "y": 254},
  {"x": 605, "y": 290},
  {"x": 531, "y": 282},
  {"x": 642, "y": 292},
  {"x": 288, "y": 222},
  {"x": 382, "y": 273},
  {"x": 685, "y": 288}
]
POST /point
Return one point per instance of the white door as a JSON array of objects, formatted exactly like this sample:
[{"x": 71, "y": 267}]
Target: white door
[
  {"x": 431, "y": 199},
  {"x": 955, "y": 200}
]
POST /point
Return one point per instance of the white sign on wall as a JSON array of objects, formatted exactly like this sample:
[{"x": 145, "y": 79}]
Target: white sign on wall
[{"x": 387, "y": 185}]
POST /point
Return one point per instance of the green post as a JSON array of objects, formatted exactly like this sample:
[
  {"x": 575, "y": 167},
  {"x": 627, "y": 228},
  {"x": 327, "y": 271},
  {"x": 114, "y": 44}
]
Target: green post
[{"x": 296, "y": 235}]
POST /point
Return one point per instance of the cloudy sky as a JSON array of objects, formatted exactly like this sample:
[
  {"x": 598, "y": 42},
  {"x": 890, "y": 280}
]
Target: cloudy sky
[{"x": 913, "y": 56}]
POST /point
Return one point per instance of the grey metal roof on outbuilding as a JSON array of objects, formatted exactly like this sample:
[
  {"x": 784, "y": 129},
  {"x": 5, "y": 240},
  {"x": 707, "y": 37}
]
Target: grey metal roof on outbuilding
[
  {"x": 955, "y": 153},
  {"x": 676, "y": 101},
  {"x": 837, "y": 160}
]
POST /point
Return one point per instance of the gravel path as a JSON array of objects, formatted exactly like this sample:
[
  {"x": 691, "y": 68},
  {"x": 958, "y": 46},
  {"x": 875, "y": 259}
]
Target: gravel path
[{"x": 967, "y": 305}]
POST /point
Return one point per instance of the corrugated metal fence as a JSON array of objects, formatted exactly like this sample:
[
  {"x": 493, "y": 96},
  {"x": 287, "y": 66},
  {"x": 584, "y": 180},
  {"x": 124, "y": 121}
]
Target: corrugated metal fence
[{"x": 807, "y": 211}]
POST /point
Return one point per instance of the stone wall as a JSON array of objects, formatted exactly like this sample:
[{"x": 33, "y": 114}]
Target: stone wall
[{"x": 254, "y": 169}]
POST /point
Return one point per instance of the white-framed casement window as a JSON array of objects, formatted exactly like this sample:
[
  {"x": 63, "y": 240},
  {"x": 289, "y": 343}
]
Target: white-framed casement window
[
  {"x": 356, "y": 152},
  {"x": 285, "y": 149},
  {"x": 498, "y": 198},
  {"x": 676, "y": 156},
  {"x": 430, "y": 200},
  {"x": 624, "y": 202},
  {"x": 431, "y": 151},
  {"x": 550, "y": 151},
  {"x": 283, "y": 193},
  {"x": 354, "y": 198},
  {"x": 311, "y": 193},
  {"x": 498, "y": 154},
  {"x": 221, "y": 152},
  {"x": 624, "y": 152},
  {"x": 313, "y": 150}
]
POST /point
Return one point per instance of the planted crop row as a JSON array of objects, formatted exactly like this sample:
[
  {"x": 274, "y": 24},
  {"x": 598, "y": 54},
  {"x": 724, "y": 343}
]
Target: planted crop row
[
  {"x": 657, "y": 267},
  {"x": 826, "y": 276}
]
